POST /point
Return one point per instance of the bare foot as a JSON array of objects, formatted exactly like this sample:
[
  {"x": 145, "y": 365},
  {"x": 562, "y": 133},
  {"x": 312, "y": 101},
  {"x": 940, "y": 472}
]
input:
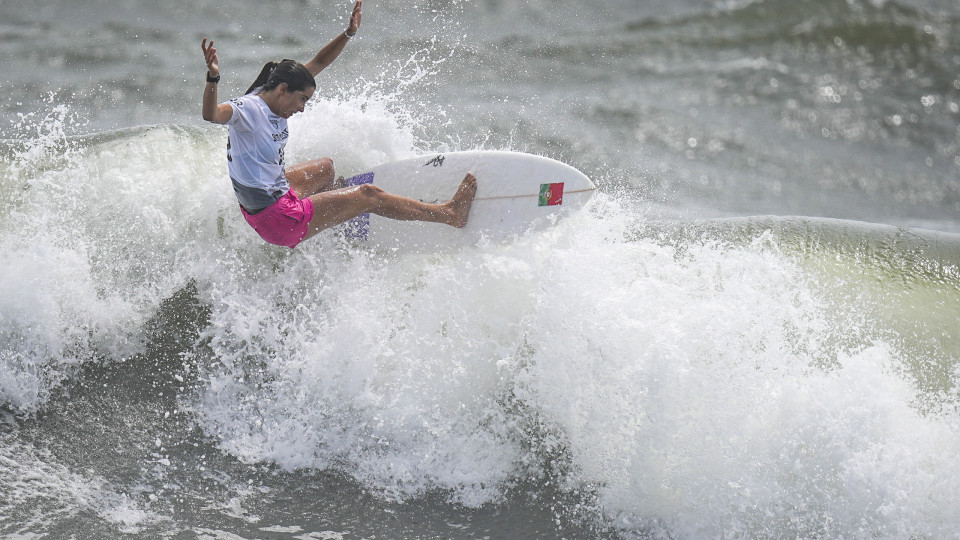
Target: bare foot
[{"x": 459, "y": 205}]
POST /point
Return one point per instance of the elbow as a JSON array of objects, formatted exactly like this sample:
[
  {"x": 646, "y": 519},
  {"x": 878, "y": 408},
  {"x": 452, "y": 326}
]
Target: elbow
[{"x": 217, "y": 115}]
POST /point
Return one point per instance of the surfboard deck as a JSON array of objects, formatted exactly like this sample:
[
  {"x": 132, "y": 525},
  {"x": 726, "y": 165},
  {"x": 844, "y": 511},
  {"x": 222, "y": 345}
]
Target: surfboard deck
[{"x": 516, "y": 193}]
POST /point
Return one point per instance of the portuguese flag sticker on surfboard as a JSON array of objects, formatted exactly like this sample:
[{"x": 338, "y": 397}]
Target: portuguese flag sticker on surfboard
[{"x": 551, "y": 194}]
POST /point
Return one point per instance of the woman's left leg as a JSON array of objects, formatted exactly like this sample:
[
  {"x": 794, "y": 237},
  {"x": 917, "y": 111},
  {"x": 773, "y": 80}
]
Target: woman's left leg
[{"x": 311, "y": 177}]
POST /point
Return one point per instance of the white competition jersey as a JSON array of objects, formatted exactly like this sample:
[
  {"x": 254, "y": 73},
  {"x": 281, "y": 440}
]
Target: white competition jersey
[{"x": 255, "y": 146}]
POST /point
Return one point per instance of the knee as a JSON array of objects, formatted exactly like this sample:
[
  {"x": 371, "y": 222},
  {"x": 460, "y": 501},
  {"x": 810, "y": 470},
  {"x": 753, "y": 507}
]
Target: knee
[
  {"x": 369, "y": 196},
  {"x": 322, "y": 172},
  {"x": 370, "y": 191},
  {"x": 322, "y": 167}
]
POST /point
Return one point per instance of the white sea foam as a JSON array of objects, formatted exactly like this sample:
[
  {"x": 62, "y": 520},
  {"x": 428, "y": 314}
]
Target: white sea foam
[
  {"x": 38, "y": 491},
  {"x": 706, "y": 392}
]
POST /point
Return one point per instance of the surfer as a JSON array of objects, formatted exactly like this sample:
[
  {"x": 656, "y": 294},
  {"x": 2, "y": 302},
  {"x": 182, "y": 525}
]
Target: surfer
[{"x": 287, "y": 205}]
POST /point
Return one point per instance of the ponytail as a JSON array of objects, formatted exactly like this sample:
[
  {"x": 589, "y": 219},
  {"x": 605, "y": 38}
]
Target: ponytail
[
  {"x": 296, "y": 76},
  {"x": 262, "y": 77}
]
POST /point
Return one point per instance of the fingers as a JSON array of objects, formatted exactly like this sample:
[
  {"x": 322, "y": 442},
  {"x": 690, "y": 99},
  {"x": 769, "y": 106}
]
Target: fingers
[
  {"x": 356, "y": 15},
  {"x": 209, "y": 54}
]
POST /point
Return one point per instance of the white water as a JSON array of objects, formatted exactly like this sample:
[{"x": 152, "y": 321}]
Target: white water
[{"x": 692, "y": 388}]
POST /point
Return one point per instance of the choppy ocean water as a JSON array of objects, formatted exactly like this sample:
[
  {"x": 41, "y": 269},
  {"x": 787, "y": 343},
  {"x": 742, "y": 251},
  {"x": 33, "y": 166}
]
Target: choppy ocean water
[{"x": 753, "y": 331}]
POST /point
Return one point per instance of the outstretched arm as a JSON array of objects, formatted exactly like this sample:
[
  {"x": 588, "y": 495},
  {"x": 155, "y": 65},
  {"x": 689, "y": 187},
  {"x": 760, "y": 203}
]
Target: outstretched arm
[
  {"x": 213, "y": 112},
  {"x": 332, "y": 50}
]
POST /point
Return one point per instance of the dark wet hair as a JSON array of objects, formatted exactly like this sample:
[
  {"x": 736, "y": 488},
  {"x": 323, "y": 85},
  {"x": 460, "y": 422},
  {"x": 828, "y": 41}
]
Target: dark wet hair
[{"x": 295, "y": 74}]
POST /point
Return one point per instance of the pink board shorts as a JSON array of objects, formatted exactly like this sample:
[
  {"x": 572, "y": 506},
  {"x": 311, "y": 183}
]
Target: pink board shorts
[{"x": 285, "y": 222}]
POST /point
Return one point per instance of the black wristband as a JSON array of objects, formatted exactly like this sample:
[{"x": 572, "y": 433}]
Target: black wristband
[{"x": 214, "y": 80}]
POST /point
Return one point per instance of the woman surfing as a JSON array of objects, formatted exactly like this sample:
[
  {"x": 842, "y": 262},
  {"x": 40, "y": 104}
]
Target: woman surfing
[{"x": 287, "y": 205}]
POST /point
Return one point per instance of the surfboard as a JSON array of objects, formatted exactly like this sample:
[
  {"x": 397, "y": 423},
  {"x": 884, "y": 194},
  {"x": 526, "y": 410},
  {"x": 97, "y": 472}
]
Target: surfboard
[{"x": 516, "y": 193}]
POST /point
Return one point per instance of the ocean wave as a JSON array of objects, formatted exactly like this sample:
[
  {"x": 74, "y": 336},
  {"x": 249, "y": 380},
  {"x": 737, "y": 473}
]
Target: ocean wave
[
  {"x": 882, "y": 26},
  {"x": 651, "y": 386},
  {"x": 683, "y": 377}
]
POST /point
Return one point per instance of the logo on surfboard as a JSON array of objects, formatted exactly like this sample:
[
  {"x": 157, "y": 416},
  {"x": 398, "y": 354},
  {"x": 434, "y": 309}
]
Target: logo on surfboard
[
  {"x": 436, "y": 162},
  {"x": 551, "y": 194}
]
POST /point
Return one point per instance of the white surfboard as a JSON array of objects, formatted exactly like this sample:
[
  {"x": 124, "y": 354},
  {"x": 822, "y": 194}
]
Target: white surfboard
[{"x": 516, "y": 193}]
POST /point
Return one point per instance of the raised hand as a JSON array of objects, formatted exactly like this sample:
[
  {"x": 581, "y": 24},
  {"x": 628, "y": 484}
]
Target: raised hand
[
  {"x": 355, "y": 19},
  {"x": 210, "y": 55}
]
